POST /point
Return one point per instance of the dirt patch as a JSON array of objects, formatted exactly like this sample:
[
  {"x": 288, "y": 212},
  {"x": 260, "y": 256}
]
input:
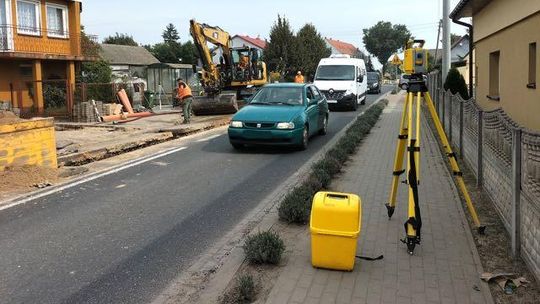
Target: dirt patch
[
  {"x": 494, "y": 247},
  {"x": 16, "y": 178},
  {"x": 7, "y": 117}
]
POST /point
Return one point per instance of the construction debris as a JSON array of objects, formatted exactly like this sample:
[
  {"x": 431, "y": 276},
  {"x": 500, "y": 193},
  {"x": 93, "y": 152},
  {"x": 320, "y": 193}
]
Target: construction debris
[{"x": 508, "y": 282}]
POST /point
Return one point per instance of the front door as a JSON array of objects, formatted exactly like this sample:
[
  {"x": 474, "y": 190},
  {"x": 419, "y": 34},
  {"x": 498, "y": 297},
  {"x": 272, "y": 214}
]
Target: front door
[{"x": 312, "y": 110}]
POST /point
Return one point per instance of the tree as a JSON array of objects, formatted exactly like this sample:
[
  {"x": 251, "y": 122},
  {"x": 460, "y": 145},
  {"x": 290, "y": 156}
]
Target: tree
[
  {"x": 279, "y": 51},
  {"x": 383, "y": 39},
  {"x": 456, "y": 83},
  {"x": 171, "y": 50},
  {"x": 121, "y": 39},
  {"x": 309, "y": 48},
  {"x": 170, "y": 34}
]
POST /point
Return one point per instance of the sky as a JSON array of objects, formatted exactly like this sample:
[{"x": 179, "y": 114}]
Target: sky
[{"x": 343, "y": 19}]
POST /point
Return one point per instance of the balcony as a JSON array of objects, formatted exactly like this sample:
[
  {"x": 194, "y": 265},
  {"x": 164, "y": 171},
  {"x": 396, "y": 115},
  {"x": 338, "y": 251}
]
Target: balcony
[{"x": 22, "y": 42}]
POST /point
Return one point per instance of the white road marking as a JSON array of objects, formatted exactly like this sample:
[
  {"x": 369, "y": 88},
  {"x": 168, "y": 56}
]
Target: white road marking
[
  {"x": 115, "y": 169},
  {"x": 208, "y": 138}
]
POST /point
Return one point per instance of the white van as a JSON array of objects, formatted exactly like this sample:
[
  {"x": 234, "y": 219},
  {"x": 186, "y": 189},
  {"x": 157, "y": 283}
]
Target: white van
[{"x": 342, "y": 80}]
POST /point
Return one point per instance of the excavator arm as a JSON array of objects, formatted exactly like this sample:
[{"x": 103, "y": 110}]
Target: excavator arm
[{"x": 202, "y": 34}]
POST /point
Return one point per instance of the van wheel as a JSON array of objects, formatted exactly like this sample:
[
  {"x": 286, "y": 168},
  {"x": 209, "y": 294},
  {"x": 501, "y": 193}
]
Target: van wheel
[
  {"x": 354, "y": 107},
  {"x": 363, "y": 102}
]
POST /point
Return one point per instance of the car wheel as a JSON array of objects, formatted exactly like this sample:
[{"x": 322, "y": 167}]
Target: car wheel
[
  {"x": 363, "y": 102},
  {"x": 324, "y": 128},
  {"x": 237, "y": 146},
  {"x": 305, "y": 139}
]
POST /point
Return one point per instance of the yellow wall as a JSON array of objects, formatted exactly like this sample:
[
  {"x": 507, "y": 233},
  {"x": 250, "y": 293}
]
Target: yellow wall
[
  {"x": 28, "y": 143},
  {"x": 49, "y": 45},
  {"x": 499, "y": 14},
  {"x": 520, "y": 102}
]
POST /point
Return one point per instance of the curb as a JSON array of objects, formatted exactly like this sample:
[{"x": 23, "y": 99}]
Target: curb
[{"x": 213, "y": 272}]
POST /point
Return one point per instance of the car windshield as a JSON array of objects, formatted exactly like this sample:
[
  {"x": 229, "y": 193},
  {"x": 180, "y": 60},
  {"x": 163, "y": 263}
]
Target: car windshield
[
  {"x": 335, "y": 72},
  {"x": 279, "y": 95},
  {"x": 372, "y": 77}
]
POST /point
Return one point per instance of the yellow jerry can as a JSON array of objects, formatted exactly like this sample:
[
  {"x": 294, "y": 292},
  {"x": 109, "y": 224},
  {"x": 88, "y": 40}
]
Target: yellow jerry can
[{"x": 335, "y": 227}]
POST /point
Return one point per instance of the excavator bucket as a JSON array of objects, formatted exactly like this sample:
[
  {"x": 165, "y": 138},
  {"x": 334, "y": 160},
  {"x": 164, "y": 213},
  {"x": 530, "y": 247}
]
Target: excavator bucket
[{"x": 225, "y": 103}]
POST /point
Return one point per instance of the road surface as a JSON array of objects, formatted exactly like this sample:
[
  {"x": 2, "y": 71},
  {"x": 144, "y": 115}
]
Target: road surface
[{"x": 123, "y": 237}]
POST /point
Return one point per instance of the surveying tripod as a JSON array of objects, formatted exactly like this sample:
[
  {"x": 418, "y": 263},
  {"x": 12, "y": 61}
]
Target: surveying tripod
[{"x": 409, "y": 146}]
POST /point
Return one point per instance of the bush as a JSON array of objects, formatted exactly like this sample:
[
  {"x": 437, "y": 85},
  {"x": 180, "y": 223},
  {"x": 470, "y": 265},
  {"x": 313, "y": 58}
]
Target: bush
[
  {"x": 245, "y": 289},
  {"x": 54, "y": 96},
  {"x": 456, "y": 83},
  {"x": 264, "y": 248},
  {"x": 296, "y": 206}
]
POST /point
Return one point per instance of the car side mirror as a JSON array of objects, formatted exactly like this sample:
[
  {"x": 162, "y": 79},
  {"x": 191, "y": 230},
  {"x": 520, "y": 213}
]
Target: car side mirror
[{"x": 360, "y": 78}]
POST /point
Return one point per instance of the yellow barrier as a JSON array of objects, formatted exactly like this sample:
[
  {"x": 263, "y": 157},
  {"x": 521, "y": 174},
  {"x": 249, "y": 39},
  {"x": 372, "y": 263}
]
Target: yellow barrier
[{"x": 30, "y": 142}]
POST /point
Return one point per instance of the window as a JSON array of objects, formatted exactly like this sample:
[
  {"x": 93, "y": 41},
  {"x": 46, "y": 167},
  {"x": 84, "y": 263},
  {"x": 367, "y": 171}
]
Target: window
[
  {"x": 494, "y": 75},
  {"x": 532, "y": 66},
  {"x": 57, "y": 25},
  {"x": 28, "y": 17}
]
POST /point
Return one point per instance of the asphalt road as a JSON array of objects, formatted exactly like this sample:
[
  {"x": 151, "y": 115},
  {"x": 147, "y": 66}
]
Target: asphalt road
[{"x": 123, "y": 237}]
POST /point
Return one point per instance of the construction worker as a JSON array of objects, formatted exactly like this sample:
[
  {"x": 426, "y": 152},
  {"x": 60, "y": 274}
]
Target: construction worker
[
  {"x": 186, "y": 98},
  {"x": 299, "y": 78}
]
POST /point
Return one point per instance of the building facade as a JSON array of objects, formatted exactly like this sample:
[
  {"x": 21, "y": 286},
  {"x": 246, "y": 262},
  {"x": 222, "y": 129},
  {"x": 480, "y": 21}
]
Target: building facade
[
  {"x": 41, "y": 45},
  {"x": 507, "y": 63}
]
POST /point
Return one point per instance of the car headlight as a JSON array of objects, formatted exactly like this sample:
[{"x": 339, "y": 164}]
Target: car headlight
[
  {"x": 348, "y": 92},
  {"x": 285, "y": 125},
  {"x": 236, "y": 124}
]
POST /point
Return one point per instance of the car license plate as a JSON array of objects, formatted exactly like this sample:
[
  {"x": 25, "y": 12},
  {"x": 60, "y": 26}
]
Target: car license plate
[{"x": 331, "y": 101}]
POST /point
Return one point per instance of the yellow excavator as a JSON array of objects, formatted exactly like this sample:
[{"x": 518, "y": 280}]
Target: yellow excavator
[{"x": 238, "y": 73}]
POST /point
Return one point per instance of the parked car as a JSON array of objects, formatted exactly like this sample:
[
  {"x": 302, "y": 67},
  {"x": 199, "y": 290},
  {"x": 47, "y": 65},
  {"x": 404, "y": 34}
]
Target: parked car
[
  {"x": 284, "y": 114},
  {"x": 342, "y": 81},
  {"x": 374, "y": 82}
]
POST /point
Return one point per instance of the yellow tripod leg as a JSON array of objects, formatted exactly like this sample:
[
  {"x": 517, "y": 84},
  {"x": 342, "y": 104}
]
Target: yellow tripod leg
[
  {"x": 398, "y": 160},
  {"x": 414, "y": 220},
  {"x": 453, "y": 164}
]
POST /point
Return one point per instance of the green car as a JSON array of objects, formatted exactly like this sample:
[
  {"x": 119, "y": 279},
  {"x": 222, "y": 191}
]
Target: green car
[{"x": 280, "y": 114}]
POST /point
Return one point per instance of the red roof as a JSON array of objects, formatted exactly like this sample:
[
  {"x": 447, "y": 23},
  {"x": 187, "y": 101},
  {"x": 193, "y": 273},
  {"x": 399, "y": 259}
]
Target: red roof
[
  {"x": 343, "y": 47},
  {"x": 258, "y": 42}
]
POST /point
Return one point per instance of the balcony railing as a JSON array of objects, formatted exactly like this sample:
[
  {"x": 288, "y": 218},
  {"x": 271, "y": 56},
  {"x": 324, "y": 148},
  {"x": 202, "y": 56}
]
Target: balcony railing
[{"x": 50, "y": 42}]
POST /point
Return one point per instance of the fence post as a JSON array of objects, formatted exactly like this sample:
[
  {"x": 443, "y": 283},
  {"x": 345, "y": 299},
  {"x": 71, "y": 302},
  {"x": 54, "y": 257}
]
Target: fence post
[
  {"x": 516, "y": 192},
  {"x": 479, "y": 149},
  {"x": 450, "y": 114},
  {"x": 461, "y": 128},
  {"x": 443, "y": 109}
]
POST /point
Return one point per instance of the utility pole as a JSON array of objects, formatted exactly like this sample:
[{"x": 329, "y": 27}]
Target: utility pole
[
  {"x": 438, "y": 39},
  {"x": 446, "y": 39}
]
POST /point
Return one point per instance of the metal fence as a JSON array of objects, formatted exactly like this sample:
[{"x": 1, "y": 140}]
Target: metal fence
[{"x": 505, "y": 158}]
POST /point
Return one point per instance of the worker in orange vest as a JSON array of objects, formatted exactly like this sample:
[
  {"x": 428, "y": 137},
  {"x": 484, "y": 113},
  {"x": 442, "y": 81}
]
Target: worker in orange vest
[
  {"x": 186, "y": 98},
  {"x": 299, "y": 78}
]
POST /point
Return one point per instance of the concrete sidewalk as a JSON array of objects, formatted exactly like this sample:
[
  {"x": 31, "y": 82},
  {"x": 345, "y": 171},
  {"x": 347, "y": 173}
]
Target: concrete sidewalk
[{"x": 445, "y": 268}]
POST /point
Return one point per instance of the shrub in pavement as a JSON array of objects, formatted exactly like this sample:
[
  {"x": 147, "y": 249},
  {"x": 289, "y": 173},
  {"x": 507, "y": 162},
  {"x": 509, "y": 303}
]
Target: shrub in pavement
[
  {"x": 245, "y": 289},
  {"x": 295, "y": 207},
  {"x": 264, "y": 248}
]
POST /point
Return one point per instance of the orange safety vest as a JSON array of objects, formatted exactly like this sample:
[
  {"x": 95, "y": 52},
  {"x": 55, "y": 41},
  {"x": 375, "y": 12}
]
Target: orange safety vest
[
  {"x": 184, "y": 91},
  {"x": 299, "y": 79}
]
